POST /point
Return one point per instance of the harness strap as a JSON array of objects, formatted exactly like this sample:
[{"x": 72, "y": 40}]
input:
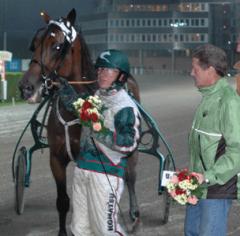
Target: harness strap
[{"x": 66, "y": 125}]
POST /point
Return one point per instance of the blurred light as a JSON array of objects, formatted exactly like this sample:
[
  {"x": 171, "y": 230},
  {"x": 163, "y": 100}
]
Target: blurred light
[
  {"x": 42, "y": 13},
  {"x": 176, "y": 25},
  {"x": 229, "y": 42}
]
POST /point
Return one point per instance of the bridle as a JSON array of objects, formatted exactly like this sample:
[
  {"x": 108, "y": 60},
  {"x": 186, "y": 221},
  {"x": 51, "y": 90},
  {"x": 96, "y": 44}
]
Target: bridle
[{"x": 51, "y": 78}]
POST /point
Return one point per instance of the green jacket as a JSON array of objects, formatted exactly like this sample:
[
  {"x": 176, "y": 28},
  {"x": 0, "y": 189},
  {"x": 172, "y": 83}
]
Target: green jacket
[{"x": 214, "y": 141}]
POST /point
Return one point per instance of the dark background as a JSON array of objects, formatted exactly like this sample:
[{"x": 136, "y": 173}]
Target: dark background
[{"x": 20, "y": 19}]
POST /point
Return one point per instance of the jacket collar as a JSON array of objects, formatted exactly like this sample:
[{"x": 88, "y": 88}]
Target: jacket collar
[
  {"x": 221, "y": 83},
  {"x": 110, "y": 91}
]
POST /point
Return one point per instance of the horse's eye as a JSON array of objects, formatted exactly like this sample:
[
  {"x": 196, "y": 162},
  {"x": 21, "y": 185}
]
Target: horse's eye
[{"x": 57, "y": 46}]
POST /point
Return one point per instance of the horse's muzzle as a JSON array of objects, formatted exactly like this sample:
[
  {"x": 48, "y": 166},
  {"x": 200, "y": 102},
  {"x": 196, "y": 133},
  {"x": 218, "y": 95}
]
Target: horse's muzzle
[{"x": 26, "y": 90}]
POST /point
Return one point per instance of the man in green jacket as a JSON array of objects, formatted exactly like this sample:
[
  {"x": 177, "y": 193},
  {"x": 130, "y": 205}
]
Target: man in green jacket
[{"x": 214, "y": 144}]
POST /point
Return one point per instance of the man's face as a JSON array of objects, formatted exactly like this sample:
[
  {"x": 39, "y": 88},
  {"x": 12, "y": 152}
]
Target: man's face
[
  {"x": 106, "y": 76},
  {"x": 202, "y": 77}
]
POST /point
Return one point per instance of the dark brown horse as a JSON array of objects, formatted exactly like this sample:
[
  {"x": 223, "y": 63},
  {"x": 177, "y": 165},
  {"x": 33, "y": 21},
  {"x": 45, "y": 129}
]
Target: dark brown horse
[{"x": 59, "y": 51}]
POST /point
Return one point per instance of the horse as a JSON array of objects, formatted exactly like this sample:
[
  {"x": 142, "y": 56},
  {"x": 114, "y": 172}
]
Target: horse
[{"x": 59, "y": 51}]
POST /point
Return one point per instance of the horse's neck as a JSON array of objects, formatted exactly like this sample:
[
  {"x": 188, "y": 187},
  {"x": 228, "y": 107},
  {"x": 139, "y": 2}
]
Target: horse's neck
[
  {"x": 81, "y": 68},
  {"x": 76, "y": 61}
]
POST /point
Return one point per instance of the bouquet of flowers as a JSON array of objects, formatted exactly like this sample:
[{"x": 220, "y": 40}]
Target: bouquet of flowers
[
  {"x": 184, "y": 187},
  {"x": 90, "y": 112}
]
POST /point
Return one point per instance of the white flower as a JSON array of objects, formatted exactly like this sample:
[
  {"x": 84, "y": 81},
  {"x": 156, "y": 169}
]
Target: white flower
[
  {"x": 95, "y": 101},
  {"x": 186, "y": 184},
  {"x": 188, "y": 192},
  {"x": 170, "y": 186},
  {"x": 78, "y": 104},
  {"x": 94, "y": 110},
  {"x": 192, "y": 186},
  {"x": 181, "y": 198}
]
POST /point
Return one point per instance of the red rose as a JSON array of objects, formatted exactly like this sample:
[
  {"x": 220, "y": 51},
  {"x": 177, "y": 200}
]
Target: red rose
[
  {"x": 180, "y": 191},
  {"x": 183, "y": 175},
  {"x": 94, "y": 117},
  {"x": 86, "y": 105},
  {"x": 84, "y": 115}
]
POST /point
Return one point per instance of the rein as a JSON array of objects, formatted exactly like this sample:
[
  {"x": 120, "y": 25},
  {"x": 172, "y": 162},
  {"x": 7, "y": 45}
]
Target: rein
[{"x": 76, "y": 82}]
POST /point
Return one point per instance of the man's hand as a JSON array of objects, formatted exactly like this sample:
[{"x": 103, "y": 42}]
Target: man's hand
[
  {"x": 67, "y": 94},
  {"x": 199, "y": 176},
  {"x": 63, "y": 82}
]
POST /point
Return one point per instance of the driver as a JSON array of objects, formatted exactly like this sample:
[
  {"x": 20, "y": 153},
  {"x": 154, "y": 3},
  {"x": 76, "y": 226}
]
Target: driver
[{"x": 98, "y": 176}]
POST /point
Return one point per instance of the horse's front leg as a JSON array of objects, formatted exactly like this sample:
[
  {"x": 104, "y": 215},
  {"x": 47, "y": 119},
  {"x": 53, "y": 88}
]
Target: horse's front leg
[
  {"x": 62, "y": 202},
  {"x": 130, "y": 180}
]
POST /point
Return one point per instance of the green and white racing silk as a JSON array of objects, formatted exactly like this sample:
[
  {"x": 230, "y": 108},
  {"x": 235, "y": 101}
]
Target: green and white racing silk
[{"x": 122, "y": 118}]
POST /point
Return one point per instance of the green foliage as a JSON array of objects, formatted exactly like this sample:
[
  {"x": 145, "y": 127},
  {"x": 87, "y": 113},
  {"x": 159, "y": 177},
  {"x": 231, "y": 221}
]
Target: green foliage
[
  {"x": 12, "y": 85},
  {"x": 10, "y": 103}
]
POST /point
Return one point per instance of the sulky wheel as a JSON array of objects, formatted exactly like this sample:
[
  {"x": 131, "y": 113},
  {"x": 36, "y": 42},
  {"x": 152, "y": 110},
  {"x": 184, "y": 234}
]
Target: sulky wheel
[
  {"x": 166, "y": 199},
  {"x": 20, "y": 172}
]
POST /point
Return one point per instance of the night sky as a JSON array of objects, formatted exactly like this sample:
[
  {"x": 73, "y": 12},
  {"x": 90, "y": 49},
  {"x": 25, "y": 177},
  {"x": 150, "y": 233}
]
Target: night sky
[
  {"x": 21, "y": 19},
  {"x": 25, "y": 15},
  {"x": 88, "y": 5}
]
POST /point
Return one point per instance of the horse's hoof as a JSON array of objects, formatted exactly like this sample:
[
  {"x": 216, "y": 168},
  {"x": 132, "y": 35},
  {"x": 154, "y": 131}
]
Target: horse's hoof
[
  {"x": 135, "y": 226},
  {"x": 134, "y": 215}
]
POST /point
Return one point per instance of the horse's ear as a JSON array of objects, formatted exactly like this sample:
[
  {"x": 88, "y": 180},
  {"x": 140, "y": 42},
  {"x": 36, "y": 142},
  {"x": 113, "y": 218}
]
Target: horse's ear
[
  {"x": 71, "y": 17},
  {"x": 45, "y": 16}
]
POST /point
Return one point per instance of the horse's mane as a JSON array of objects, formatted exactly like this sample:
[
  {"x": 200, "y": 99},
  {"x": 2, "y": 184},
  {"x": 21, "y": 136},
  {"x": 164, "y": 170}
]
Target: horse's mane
[{"x": 87, "y": 66}]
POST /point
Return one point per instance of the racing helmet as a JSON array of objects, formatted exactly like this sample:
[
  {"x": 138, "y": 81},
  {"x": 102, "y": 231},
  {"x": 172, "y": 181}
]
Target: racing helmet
[{"x": 114, "y": 59}]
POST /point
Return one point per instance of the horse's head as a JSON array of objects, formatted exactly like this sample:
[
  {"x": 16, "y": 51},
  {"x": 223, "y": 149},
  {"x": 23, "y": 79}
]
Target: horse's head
[{"x": 57, "y": 50}]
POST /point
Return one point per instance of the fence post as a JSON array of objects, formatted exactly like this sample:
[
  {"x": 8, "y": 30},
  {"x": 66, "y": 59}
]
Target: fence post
[{"x": 3, "y": 89}]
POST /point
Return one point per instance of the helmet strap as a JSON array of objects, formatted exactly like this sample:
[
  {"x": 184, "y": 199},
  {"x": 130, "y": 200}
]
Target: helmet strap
[{"x": 123, "y": 80}]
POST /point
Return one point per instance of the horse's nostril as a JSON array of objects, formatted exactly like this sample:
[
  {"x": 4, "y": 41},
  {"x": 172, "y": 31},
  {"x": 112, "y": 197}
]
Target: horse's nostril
[
  {"x": 26, "y": 90},
  {"x": 25, "y": 85},
  {"x": 29, "y": 88}
]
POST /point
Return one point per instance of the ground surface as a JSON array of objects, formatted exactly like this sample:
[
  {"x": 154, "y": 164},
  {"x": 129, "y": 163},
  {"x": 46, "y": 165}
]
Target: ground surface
[{"x": 172, "y": 104}]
